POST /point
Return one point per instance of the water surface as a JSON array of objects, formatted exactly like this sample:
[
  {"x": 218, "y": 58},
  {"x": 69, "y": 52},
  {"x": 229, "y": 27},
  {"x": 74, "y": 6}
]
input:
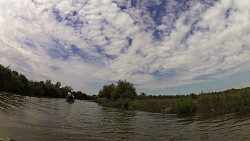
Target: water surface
[{"x": 47, "y": 119}]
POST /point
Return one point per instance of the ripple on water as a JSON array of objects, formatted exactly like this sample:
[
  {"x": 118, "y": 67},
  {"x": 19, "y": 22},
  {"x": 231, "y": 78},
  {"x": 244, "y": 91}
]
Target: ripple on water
[{"x": 38, "y": 119}]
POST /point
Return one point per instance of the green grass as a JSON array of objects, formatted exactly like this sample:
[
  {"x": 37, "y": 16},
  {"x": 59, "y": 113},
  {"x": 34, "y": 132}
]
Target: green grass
[
  {"x": 233, "y": 100},
  {"x": 152, "y": 105}
]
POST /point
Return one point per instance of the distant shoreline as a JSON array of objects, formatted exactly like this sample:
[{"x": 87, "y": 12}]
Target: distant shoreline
[{"x": 233, "y": 100}]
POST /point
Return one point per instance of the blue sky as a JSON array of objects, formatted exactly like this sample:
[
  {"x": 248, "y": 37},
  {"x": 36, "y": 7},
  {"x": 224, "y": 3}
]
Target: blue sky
[{"x": 161, "y": 46}]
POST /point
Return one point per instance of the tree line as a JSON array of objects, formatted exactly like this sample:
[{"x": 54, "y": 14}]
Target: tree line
[
  {"x": 123, "y": 95},
  {"x": 126, "y": 90},
  {"x": 14, "y": 82}
]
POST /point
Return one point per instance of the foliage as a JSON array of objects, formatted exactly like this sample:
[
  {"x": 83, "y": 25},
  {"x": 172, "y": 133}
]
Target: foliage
[
  {"x": 12, "y": 81},
  {"x": 152, "y": 105},
  {"x": 107, "y": 91},
  {"x": 185, "y": 105},
  {"x": 205, "y": 103},
  {"x": 123, "y": 90}
]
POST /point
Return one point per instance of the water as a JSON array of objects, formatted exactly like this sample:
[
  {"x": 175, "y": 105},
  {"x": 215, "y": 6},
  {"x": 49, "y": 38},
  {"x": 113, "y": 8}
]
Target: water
[{"x": 47, "y": 119}]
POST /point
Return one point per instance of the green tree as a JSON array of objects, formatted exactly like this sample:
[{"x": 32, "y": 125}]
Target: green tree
[
  {"x": 58, "y": 84},
  {"x": 142, "y": 96},
  {"x": 5, "y": 77},
  {"x": 108, "y": 90},
  {"x": 100, "y": 94},
  {"x": 48, "y": 82},
  {"x": 124, "y": 90},
  {"x": 12, "y": 81}
]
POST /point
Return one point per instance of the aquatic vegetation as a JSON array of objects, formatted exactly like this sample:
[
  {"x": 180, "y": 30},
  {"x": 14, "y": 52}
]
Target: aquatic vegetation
[
  {"x": 205, "y": 103},
  {"x": 230, "y": 100},
  {"x": 152, "y": 105},
  {"x": 185, "y": 105}
]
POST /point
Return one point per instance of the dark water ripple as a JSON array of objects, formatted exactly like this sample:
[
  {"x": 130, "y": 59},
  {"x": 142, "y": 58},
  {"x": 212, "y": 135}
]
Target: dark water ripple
[{"x": 47, "y": 119}]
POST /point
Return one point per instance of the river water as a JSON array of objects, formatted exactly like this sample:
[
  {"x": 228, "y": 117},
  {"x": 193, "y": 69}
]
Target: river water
[{"x": 47, "y": 119}]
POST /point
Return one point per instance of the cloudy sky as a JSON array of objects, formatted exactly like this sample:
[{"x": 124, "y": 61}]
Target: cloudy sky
[{"x": 162, "y": 46}]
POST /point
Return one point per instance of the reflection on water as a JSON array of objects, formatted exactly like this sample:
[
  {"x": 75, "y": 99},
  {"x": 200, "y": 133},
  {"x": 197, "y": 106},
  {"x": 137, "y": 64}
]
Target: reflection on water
[{"x": 39, "y": 119}]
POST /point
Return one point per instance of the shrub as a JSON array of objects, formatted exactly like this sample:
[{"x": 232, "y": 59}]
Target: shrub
[{"x": 185, "y": 105}]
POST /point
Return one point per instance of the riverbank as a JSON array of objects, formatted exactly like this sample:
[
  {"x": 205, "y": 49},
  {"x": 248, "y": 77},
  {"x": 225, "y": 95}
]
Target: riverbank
[
  {"x": 232, "y": 100},
  {"x": 12, "y": 81}
]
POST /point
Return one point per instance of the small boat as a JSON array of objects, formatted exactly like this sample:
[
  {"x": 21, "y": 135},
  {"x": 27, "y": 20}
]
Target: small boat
[{"x": 70, "y": 99}]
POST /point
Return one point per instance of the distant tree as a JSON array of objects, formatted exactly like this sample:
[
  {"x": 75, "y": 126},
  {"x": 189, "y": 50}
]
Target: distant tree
[
  {"x": 12, "y": 81},
  {"x": 124, "y": 90},
  {"x": 142, "y": 96},
  {"x": 193, "y": 96},
  {"x": 5, "y": 77},
  {"x": 108, "y": 90},
  {"x": 48, "y": 82},
  {"x": 15, "y": 73},
  {"x": 100, "y": 94},
  {"x": 58, "y": 84}
]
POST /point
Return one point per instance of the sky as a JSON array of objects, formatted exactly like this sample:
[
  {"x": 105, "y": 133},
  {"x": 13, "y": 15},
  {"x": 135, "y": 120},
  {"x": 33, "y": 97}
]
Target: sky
[{"x": 161, "y": 46}]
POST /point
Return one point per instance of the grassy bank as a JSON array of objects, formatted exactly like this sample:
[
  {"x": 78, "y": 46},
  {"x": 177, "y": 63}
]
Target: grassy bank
[{"x": 205, "y": 103}]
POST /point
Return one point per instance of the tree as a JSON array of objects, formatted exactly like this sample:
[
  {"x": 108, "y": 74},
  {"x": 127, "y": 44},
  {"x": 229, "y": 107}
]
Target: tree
[
  {"x": 142, "y": 96},
  {"x": 12, "y": 81},
  {"x": 48, "y": 82},
  {"x": 100, "y": 94},
  {"x": 58, "y": 84},
  {"x": 5, "y": 77},
  {"x": 124, "y": 90},
  {"x": 108, "y": 90}
]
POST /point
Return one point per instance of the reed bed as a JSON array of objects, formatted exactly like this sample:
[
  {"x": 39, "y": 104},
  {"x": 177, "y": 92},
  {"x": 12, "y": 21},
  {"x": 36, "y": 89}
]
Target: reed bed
[{"x": 233, "y": 100}]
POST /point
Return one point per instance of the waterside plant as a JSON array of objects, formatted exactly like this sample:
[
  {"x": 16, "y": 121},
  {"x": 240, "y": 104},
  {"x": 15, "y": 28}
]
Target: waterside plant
[{"x": 232, "y": 100}]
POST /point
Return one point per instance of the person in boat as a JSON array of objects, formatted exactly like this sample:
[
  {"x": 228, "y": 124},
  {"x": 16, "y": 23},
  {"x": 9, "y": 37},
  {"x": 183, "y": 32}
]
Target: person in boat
[{"x": 70, "y": 97}]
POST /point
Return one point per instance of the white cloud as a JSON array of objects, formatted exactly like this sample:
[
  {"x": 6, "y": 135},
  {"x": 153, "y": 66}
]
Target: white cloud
[{"x": 198, "y": 45}]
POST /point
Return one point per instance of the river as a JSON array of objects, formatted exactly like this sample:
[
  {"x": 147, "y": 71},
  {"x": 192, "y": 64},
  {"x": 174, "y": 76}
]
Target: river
[{"x": 26, "y": 118}]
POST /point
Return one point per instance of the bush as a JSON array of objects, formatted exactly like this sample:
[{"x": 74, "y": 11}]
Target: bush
[
  {"x": 123, "y": 90},
  {"x": 185, "y": 105}
]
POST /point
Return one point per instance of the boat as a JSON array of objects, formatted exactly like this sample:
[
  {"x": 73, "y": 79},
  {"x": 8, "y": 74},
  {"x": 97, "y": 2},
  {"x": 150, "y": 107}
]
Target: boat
[{"x": 70, "y": 99}]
